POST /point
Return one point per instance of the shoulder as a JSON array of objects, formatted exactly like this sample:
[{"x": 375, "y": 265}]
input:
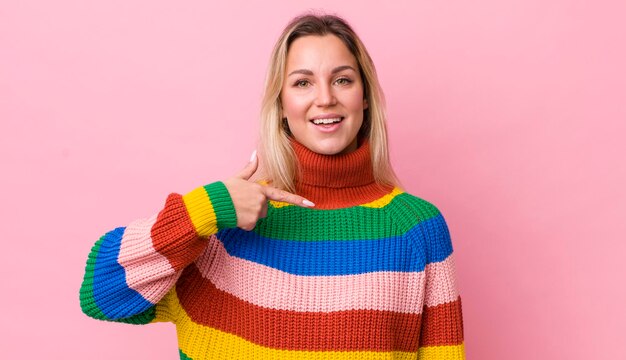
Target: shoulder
[
  {"x": 409, "y": 210},
  {"x": 420, "y": 207},
  {"x": 423, "y": 221},
  {"x": 430, "y": 231}
]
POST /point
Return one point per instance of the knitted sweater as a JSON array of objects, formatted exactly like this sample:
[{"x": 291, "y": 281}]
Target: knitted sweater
[{"x": 367, "y": 273}]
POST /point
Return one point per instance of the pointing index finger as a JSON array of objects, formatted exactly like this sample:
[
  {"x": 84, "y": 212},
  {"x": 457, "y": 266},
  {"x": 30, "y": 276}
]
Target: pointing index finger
[{"x": 285, "y": 196}]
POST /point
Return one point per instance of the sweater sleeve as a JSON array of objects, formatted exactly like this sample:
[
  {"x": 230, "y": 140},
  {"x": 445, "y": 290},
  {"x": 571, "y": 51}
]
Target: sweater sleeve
[
  {"x": 131, "y": 269},
  {"x": 441, "y": 334}
]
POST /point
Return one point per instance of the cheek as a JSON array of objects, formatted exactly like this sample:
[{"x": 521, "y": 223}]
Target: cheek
[
  {"x": 353, "y": 98},
  {"x": 294, "y": 106},
  {"x": 354, "y": 101}
]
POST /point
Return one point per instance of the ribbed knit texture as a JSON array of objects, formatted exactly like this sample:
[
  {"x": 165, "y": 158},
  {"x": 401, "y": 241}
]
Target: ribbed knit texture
[{"x": 368, "y": 273}]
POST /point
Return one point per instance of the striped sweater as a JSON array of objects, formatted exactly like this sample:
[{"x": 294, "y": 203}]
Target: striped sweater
[{"x": 367, "y": 273}]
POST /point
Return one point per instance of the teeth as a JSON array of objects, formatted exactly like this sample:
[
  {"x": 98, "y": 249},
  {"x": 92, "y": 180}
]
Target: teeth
[{"x": 326, "y": 121}]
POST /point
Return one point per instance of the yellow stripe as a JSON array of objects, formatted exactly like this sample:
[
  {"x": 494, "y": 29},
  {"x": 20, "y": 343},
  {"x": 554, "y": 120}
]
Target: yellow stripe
[
  {"x": 201, "y": 211},
  {"x": 201, "y": 342},
  {"x": 385, "y": 200},
  {"x": 279, "y": 204},
  {"x": 453, "y": 352},
  {"x": 168, "y": 308},
  {"x": 378, "y": 203}
]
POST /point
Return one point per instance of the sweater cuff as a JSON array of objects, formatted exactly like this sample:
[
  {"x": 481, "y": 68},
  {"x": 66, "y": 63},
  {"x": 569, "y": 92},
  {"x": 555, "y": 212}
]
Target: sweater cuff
[{"x": 211, "y": 208}]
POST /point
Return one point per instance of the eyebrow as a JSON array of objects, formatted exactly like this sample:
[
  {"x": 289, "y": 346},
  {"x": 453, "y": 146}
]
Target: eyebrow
[{"x": 334, "y": 71}]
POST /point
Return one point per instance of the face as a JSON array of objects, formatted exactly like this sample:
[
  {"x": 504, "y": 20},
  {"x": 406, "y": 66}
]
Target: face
[{"x": 323, "y": 84}]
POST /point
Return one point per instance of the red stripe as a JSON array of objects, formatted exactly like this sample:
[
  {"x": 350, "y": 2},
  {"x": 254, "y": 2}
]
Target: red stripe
[
  {"x": 174, "y": 236},
  {"x": 443, "y": 324},
  {"x": 353, "y": 330}
]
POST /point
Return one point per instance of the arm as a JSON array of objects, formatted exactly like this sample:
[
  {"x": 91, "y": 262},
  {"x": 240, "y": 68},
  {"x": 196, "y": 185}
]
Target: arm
[
  {"x": 131, "y": 269},
  {"x": 441, "y": 335}
]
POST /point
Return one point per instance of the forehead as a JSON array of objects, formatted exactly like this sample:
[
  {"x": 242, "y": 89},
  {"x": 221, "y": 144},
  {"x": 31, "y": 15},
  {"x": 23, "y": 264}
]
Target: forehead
[{"x": 313, "y": 52}]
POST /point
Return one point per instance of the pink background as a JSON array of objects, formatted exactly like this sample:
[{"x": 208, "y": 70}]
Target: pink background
[{"x": 508, "y": 115}]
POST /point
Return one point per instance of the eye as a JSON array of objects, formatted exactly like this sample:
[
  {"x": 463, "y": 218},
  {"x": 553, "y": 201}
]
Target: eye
[
  {"x": 343, "y": 81},
  {"x": 301, "y": 83}
]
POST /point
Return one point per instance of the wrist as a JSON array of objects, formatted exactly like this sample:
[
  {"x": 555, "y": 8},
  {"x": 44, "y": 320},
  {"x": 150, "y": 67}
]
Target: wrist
[{"x": 211, "y": 208}]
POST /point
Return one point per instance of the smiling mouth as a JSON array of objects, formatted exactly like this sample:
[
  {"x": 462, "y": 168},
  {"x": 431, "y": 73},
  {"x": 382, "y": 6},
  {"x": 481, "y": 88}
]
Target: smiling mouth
[{"x": 327, "y": 121}]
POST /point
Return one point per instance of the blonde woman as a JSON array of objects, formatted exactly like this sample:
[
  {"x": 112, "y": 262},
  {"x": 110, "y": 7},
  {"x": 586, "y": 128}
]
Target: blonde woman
[{"x": 312, "y": 251}]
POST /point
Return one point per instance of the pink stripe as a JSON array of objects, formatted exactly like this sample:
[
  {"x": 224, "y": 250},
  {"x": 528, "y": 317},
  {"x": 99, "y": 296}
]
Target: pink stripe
[
  {"x": 271, "y": 288},
  {"x": 441, "y": 286},
  {"x": 147, "y": 271}
]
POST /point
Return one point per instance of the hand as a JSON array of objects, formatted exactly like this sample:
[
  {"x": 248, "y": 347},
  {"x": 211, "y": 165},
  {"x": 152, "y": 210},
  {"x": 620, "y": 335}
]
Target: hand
[{"x": 250, "y": 198}]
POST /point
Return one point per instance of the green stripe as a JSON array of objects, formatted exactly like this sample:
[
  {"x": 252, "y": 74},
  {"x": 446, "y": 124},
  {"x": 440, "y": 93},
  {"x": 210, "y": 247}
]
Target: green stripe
[
  {"x": 353, "y": 223},
  {"x": 222, "y": 205},
  {"x": 88, "y": 303},
  {"x": 183, "y": 356},
  {"x": 409, "y": 210}
]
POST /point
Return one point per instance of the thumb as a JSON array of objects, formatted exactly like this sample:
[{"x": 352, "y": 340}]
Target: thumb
[{"x": 250, "y": 168}]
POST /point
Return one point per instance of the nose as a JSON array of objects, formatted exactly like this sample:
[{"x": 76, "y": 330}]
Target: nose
[{"x": 325, "y": 96}]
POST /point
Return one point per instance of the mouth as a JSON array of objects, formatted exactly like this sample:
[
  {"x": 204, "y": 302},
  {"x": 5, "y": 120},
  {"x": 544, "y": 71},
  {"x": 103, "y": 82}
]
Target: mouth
[{"x": 328, "y": 121}]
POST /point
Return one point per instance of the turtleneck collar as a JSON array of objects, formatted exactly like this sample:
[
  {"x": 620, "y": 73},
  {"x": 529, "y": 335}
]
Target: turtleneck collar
[{"x": 336, "y": 181}]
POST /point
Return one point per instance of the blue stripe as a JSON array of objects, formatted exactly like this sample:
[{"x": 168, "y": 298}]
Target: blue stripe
[
  {"x": 427, "y": 242},
  {"x": 110, "y": 290},
  {"x": 431, "y": 239}
]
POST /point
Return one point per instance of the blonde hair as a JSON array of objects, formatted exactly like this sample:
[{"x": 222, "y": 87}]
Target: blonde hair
[{"x": 279, "y": 163}]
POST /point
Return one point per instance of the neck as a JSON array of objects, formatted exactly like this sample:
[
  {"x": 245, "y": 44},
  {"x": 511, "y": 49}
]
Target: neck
[{"x": 336, "y": 181}]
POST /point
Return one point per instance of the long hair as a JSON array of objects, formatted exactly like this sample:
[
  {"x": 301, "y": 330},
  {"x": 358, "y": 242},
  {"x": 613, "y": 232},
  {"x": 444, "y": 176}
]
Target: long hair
[{"x": 279, "y": 160}]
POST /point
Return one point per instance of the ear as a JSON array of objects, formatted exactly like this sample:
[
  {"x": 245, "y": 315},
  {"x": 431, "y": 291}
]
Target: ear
[{"x": 365, "y": 104}]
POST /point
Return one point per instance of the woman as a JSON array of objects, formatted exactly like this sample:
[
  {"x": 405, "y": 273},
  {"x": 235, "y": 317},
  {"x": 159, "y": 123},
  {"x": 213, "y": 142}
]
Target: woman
[{"x": 323, "y": 257}]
